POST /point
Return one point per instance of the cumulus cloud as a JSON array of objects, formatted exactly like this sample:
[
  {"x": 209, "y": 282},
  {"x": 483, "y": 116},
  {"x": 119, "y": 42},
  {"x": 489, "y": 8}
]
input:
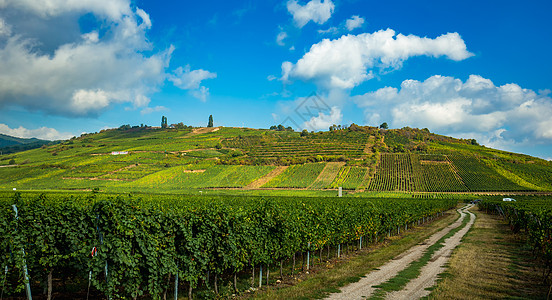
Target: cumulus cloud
[
  {"x": 188, "y": 79},
  {"x": 348, "y": 61},
  {"x": 324, "y": 121},
  {"x": 86, "y": 75},
  {"x": 43, "y": 133},
  {"x": 331, "y": 30},
  {"x": 280, "y": 38},
  {"x": 202, "y": 93},
  {"x": 149, "y": 110},
  {"x": 112, "y": 9},
  {"x": 5, "y": 29},
  {"x": 354, "y": 22},
  {"x": 498, "y": 116},
  {"x": 315, "y": 10},
  {"x": 46, "y": 64}
]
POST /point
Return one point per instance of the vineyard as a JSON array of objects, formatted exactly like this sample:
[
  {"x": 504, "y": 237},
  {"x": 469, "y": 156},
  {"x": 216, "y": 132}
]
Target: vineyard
[
  {"x": 477, "y": 176},
  {"x": 124, "y": 247},
  {"x": 211, "y": 177},
  {"x": 285, "y": 148},
  {"x": 530, "y": 215},
  {"x": 395, "y": 173},
  {"x": 357, "y": 158},
  {"x": 297, "y": 176},
  {"x": 443, "y": 173},
  {"x": 350, "y": 178}
]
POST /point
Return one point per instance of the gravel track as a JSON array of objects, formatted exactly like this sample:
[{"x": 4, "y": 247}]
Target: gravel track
[{"x": 364, "y": 287}]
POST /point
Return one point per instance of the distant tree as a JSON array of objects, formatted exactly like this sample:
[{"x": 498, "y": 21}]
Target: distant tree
[
  {"x": 289, "y": 128},
  {"x": 304, "y": 132},
  {"x": 210, "y": 124},
  {"x": 354, "y": 127},
  {"x": 474, "y": 142},
  {"x": 163, "y": 122},
  {"x": 281, "y": 127},
  {"x": 273, "y": 127},
  {"x": 179, "y": 125},
  {"x": 384, "y": 125}
]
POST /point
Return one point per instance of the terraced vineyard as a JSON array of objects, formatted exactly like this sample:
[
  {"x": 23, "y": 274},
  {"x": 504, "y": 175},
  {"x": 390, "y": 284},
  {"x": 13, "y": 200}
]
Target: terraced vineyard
[
  {"x": 395, "y": 173},
  {"x": 212, "y": 177},
  {"x": 157, "y": 159},
  {"x": 438, "y": 175},
  {"x": 274, "y": 146},
  {"x": 350, "y": 178},
  {"x": 296, "y": 176},
  {"x": 477, "y": 176}
]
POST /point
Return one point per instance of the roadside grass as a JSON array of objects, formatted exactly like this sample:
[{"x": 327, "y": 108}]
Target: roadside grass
[
  {"x": 336, "y": 273},
  {"x": 413, "y": 270},
  {"x": 491, "y": 263}
]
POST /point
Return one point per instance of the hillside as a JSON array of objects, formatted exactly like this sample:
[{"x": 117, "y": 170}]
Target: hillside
[
  {"x": 11, "y": 144},
  {"x": 357, "y": 158}
]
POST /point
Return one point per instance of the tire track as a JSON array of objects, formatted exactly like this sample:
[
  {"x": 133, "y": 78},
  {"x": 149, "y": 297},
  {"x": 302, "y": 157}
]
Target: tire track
[{"x": 364, "y": 287}]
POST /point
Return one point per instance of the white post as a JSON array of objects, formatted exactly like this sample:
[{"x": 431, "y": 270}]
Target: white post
[
  {"x": 308, "y": 255},
  {"x": 340, "y": 192}
]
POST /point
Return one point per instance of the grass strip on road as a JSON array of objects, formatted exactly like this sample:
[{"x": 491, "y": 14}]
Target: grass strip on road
[{"x": 413, "y": 270}]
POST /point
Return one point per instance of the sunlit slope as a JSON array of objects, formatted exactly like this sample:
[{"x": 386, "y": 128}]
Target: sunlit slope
[{"x": 355, "y": 158}]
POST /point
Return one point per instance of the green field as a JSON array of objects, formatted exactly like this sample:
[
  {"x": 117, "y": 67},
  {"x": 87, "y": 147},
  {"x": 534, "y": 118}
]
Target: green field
[{"x": 356, "y": 159}]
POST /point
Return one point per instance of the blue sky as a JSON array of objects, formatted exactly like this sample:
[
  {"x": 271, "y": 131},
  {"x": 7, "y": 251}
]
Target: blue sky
[{"x": 470, "y": 69}]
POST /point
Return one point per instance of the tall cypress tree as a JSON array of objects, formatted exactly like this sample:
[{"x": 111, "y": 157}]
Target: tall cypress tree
[{"x": 210, "y": 124}]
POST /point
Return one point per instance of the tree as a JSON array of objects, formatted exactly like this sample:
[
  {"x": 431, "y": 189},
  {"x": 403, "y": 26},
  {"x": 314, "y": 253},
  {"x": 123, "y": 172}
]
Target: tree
[
  {"x": 384, "y": 125},
  {"x": 210, "y": 124},
  {"x": 163, "y": 122},
  {"x": 304, "y": 132},
  {"x": 281, "y": 127}
]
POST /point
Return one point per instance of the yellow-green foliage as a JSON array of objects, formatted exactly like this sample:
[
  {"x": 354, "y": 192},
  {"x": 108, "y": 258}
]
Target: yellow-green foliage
[{"x": 297, "y": 176}]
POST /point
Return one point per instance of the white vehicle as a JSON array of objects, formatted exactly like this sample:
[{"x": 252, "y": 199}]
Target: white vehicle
[{"x": 508, "y": 199}]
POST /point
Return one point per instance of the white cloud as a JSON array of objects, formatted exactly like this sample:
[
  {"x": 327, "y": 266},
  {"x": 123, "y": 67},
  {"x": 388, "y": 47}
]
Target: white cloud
[
  {"x": 112, "y": 9},
  {"x": 149, "y": 110},
  {"x": 348, "y": 61},
  {"x": 331, "y": 30},
  {"x": 354, "y": 22},
  {"x": 497, "y": 116},
  {"x": 5, "y": 29},
  {"x": 202, "y": 93},
  {"x": 88, "y": 74},
  {"x": 315, "y": 10},
  {"x": 43, "y": 133},
  {"x": 188, "y": 79},
  {"x": 286, "y": 69},
  {"x": 324, "y": 121},
  {"x": 280, "y": 38},
  {"x": 85, "y": 73}
]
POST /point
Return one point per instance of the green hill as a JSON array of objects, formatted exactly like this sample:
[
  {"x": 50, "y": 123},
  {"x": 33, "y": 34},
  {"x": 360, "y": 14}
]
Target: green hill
[
  {"x": 357, "y": 158},
  {"x": 11, "y": 144}
]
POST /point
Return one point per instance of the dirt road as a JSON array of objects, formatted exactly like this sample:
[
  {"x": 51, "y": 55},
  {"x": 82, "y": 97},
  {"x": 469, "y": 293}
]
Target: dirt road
[{"x": 416, "y": 288}]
